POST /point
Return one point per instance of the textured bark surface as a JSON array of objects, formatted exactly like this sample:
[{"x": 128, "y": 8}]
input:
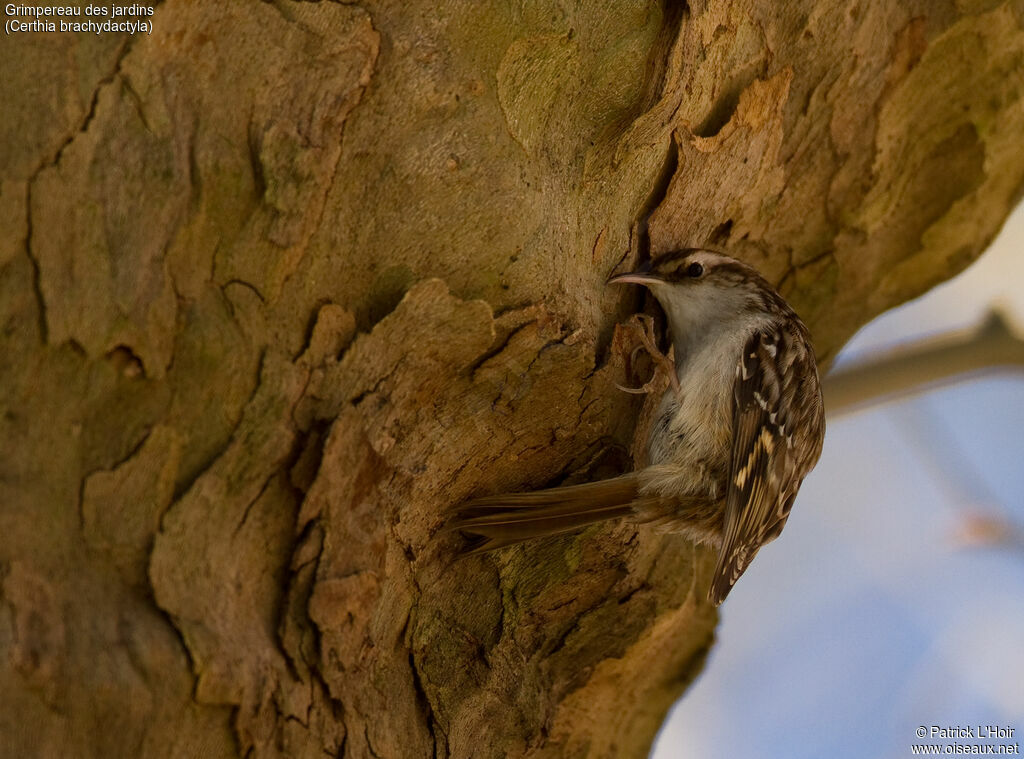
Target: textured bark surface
[{"x": 283, "y": 280}]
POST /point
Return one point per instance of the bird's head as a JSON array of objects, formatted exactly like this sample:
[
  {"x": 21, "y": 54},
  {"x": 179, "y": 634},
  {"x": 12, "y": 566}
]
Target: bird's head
[{"x": 701, "y": 290}]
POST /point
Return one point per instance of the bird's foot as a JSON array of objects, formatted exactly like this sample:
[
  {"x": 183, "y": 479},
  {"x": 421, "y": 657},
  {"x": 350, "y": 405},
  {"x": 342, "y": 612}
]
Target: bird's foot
[{"x": 643, "y": 325}]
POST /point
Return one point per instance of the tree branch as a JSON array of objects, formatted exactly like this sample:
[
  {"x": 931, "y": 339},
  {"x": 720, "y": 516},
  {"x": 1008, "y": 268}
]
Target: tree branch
[{"x": 923, "y": 366}]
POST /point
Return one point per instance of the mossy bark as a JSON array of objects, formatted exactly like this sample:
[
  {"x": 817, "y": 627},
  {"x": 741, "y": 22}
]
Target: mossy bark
[{"x": 283, "y": 280}]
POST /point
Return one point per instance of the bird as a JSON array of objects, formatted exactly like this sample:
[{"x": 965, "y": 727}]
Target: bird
[{"x": 732, "y": 439}]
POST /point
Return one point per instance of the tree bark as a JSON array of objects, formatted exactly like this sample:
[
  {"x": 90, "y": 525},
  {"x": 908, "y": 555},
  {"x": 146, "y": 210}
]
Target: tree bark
[{"x": 281, "y": 281}]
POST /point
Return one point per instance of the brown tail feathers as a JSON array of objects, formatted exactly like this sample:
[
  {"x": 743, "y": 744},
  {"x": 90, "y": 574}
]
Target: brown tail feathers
[{"x": 502, "y": 520}]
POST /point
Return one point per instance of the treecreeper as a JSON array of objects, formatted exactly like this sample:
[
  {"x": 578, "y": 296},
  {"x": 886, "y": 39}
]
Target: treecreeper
[{"x": 735, "y": 434}]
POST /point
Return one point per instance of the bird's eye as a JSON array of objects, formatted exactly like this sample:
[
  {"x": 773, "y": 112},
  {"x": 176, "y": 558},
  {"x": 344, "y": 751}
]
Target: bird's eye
[{"x": 694, "y": 270}]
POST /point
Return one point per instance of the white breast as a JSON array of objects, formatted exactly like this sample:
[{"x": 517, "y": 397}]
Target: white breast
[
  {"x": 690, "y": 442},
  {"x": 694, "y": 426}
]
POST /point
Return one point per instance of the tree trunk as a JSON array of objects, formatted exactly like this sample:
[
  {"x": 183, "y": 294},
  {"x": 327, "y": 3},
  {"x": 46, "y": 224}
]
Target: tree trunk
[{"x": 281, "y": 281}]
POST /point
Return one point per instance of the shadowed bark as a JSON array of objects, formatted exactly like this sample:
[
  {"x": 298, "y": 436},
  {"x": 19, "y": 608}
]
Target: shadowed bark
[{"x": 283, "y": 280}]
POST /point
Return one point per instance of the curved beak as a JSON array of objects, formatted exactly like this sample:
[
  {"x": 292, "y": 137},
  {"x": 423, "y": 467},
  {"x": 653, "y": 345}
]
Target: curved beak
[{"x": 641, "y": 276}]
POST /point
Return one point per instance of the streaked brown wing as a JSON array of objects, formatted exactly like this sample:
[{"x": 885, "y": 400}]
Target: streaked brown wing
[{"x": 761, "y": 488}]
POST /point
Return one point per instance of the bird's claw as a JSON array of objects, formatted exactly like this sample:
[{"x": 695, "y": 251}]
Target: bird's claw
[{"x": 644, "y": 325}]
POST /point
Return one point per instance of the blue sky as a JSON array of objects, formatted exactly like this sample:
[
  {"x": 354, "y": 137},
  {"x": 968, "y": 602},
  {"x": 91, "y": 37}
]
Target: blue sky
[{"x": 872, "y": 615}]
